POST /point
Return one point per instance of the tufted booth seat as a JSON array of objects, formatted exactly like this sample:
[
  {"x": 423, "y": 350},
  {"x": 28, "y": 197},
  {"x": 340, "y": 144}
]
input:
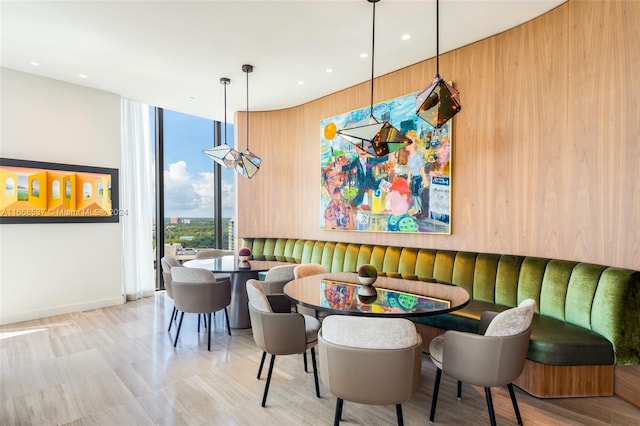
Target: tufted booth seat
[{"x": 587, "y": 316}]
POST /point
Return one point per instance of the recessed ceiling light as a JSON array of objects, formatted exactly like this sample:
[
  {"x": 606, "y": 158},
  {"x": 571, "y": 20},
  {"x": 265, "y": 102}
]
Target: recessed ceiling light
[
  {"x": 82, "y": 75},
  {"x": 34, "y": 63},
  {"x": 192, "y": 98},
  {"x": 300, "y": 83},
  {"x": 405, "y": 36},
  {"x": 329, "y": 69},
  {"x": 364, "y": 55}
]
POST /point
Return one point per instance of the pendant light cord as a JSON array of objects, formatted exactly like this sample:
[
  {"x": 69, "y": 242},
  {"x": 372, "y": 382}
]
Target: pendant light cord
[
  {"x": 437, "y": 39},
  {"x": 247, "y": 110},
  {"x": 225, "y": 113},
  {"x": 373, "y": 51}
]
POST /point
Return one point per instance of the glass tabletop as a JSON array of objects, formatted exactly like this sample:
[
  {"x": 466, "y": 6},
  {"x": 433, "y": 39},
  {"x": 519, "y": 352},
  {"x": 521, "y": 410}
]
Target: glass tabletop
[
  {"x": 231, "y": 264},
  {"x": 338, "y": 293}
]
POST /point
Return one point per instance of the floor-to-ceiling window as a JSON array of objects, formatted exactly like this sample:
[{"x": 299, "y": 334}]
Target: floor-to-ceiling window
[{"x": 196, "y": 196}]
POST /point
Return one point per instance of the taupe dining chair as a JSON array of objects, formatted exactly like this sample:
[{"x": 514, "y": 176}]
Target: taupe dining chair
[
  {"x": 277, "y": 277},
  {"x": 495, "y": 357},
  {"x": 214, "y": 254},
  {"x": 305, "y": 270},
  {"x": 370, "y": 360},
  {"x": 278, "y": 331},
  {"x": 167, "y": 263},
  {"x": 197, "y": 290}
]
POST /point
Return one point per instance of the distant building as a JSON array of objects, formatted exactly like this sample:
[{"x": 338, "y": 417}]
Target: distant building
[
  {"x": 185, "y": 220},
  {"x": 173, "y": 220}
]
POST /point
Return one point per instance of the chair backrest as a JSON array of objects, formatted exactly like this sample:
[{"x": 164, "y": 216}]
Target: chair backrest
[
  {"x": 167, "y": 263},
  {"x": 358, "y": 354},
  {"x": 212, "y": 253},
  {"x": 281, "y": 273},
  {"x": 196, "y": 290},
  {"x": 307, "y": 269},
  {"x": 257, "y": 296},
  {"x": 512, "y": 321},
  {"x": 275, "y": 333}
]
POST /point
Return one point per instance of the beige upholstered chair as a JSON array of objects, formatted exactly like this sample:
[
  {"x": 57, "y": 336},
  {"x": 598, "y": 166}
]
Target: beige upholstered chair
[
  {"x": 305, "y": 270},
  {"x": 278, "y": 331},
  {"x": 197, "y": 291},
  {"x": 495, "y": 357},
  {"x": 169, "y": 262},
  {"x": 370, "y": 360},
  {"x": 277, "y": 277},
  {"x": 212, "y": 253}
]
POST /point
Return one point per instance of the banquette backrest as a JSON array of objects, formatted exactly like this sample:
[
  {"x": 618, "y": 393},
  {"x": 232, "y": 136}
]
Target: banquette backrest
[{"x": 603, "y": 299}]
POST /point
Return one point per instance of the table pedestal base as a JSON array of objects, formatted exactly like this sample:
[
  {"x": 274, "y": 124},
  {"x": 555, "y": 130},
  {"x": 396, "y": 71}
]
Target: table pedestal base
[{"x": 239, "y": 307}]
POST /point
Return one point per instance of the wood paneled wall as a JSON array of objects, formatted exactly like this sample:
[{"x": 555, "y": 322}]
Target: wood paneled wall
[{"x": 546, "y": 151}]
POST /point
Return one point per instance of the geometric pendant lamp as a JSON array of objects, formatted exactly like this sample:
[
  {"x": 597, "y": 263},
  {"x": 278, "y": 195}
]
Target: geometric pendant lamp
[
  {"x": 224, "y": 154},
  {"x": 247, "y": 163},
  {"x": 372, "y": 136},
  {"x": 440, "y": 101}
]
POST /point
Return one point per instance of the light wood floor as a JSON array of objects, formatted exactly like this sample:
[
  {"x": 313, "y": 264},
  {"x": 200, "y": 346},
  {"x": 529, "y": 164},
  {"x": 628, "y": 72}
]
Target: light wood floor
[{"x": 117, "y": 366}]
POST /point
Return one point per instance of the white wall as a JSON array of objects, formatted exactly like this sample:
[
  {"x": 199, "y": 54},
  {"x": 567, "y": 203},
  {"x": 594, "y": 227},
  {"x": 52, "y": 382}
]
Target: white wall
[{"x": 49, "y": 269}]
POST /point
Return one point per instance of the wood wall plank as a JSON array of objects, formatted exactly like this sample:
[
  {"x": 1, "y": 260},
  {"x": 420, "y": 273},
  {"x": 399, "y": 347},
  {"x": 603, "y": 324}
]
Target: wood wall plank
[{"x": 545, "y": 152}]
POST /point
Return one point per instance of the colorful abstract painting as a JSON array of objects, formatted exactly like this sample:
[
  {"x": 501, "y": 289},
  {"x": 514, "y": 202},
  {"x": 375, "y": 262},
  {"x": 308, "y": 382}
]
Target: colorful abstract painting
[{"x": 406, "y": 191}]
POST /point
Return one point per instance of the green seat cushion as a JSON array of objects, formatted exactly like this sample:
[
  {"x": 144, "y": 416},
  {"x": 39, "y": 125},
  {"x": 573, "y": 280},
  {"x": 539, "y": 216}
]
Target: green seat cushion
[{"x": 555, "y": 342}]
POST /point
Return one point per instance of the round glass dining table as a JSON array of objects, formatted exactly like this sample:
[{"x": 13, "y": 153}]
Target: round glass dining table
[{"x": 337, "y": 293}]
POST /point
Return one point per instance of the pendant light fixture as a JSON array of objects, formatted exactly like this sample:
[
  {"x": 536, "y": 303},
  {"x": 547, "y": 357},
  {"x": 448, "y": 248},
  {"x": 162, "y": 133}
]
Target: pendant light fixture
[
  {"x": 224, "y": 154},
  {"x": 372, "y": 136},
  {"x": 248, "y": 163},
  {"x": 440, "y": 101}
]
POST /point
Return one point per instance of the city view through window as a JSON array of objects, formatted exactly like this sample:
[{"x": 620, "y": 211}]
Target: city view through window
[{"x": 189, "y": 182}]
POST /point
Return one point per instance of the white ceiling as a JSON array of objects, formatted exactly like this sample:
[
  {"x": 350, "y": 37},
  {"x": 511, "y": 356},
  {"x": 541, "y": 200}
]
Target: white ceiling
[{"x": 172, "y": 54}]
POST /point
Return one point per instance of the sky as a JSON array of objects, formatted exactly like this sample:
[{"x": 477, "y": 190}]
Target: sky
[{"x": 188, "y": 173}]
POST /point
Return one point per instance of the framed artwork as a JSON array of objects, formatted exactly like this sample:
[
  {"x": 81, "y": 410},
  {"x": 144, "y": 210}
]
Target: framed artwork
[
  {"x": 406, "y": 191},
  {"x": 38, "y": 192}
]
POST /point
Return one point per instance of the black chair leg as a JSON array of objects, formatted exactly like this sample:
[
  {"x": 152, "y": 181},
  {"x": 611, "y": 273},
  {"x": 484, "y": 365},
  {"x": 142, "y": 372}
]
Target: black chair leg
[
  {"x": 226, "y": 315},
  {"x": 434, "y": 399},
  {"x": 338, "y": 414},
  {"x": 459, "y": 389},
  {"x": 266, "y": 385},
  {"x": 399, "y": 414},
  {"x": 173, "y": 314},
  {"x": 204, "y": 319},
  {"x": 304, "y": 357},
  {"x": 178, "y": 331},
  {"x": 264, "y": 355},
  {"x": 315, "y": 371},
  {"x": 515, "y": 403},
  {"x": 492, "y": 414},
  {"x": 198, "y": 323},
  {"x": 208, "y": 331}
]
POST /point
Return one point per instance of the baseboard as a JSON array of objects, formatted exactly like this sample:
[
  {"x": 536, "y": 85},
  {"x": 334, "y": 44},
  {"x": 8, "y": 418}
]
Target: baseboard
[{"x": 60, "y": 310}]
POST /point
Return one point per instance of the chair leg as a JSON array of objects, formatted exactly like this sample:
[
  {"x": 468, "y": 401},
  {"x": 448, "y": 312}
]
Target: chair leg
[
  {"x": 492, "y": 414},
  {"x": 208, "y": 330},
  {"x": 198, "y": 323},
  {"x": 304, "y": 357},
  {"x": 226, "y": 315},
  {"x": 434, "y": 399},
  {"x": 204, "y": 319},
  {"x": 173, "y": 314},
  {"x": 315, "y": 371},
  {"x": 399, "y": 414},
  {"x": 179, "y": 327},
  {"x": 515, "y": 403},
  {"x": 338, "y": 414},
  {"x": 266, "y": 385},
  {"x": 264, "y": 355},
  {"x": 459, "y": 389}
]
